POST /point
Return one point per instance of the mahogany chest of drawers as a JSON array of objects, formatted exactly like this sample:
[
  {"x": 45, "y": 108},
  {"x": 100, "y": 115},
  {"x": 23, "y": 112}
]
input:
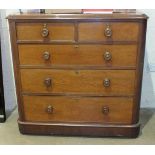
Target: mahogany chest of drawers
[{"x": 78, "y": 74}]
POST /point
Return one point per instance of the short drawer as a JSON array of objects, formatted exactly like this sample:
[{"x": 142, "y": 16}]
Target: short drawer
[
  {"x": 87, "y": 55},
  {"x": 75, "y": 109},
  {"x": 114, "y": 31},
  {"x": 45, "y": 31},
  {"x": 105, "y": 82}
]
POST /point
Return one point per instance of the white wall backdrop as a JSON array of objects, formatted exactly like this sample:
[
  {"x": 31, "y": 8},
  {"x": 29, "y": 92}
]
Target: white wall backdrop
[
  {"x": 8, "y": 77},
  {"x": 148, "y": 88}
]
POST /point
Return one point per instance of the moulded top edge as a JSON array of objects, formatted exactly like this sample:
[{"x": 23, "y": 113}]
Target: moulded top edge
[{"x": 81, "y": 16}]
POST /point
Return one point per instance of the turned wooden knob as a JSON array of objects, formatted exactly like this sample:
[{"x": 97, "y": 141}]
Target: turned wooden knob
[
  {"x": 108, "y": 31},
  {"x": 44, "y": 31},
  {"x": 106, "y": 82},
  {"x": 46, "y": 55},
  {"x": 49, "y": 109},
  {"x": 107, "y": 56},
  {"x": 105, "y": 110},
  {"x": 48, "y": 82}
]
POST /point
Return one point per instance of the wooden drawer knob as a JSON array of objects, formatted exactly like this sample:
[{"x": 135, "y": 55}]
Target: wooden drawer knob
[
  {"x": 107, "y": 56},
  {"x": 105, "y": 110},
  {"x": 106, "y": 82},
  {"x": 108, "y": 31},
  {"x": 49, "y": 109},
  {"x": 46, "y": 55},
  {"x": 44, "y": 31},
  {"x": 48, "y": 82}
]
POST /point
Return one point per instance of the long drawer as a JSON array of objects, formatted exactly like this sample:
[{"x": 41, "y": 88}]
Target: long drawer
[
  {"x": 41, "y": 31},
  {"x": 87, "y": 55},
  {"x": 105, "y": 82},
  {"x": 74, "y": 109},
  {"x": 114, "y": 31}
]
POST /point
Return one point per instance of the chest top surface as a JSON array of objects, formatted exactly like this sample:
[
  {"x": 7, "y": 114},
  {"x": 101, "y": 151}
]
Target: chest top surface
[{"x": 113, "y": 16}]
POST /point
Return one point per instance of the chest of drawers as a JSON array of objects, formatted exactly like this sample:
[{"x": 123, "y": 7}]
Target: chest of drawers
[{"x": 78, "y": 74}]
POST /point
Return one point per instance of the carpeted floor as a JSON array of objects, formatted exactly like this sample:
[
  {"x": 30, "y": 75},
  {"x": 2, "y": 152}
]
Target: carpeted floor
[{"x": 9, "y": 134}]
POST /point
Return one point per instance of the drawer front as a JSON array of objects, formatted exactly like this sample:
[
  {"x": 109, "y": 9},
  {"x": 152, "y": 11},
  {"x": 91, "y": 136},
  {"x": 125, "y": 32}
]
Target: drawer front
[
  {"x": 88, "y": 55},
  {"x": 75, "y": 109},
  {"x": 41, "y": 31},
  {"x": 108, "y": 82},
  {"x": 99, "y": 31}
]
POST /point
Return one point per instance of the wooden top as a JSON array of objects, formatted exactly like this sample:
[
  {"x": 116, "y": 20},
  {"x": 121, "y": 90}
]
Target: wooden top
[{"x": 115, "y": 16}]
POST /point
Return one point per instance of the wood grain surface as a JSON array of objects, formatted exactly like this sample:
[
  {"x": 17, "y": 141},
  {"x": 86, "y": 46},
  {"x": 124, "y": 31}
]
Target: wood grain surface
[
  {"x": 57, "y": 31},
  {"x": 86, "y": 55},
  {"x": 76, "y": 109},
  {"x": 78, "y": 81},
  {"x": 120, "y": 31}
]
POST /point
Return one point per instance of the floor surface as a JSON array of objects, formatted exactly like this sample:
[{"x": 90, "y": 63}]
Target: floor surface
[{"x": 9, "y": 134}]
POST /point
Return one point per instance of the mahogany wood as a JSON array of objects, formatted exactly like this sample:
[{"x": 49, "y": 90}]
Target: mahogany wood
[
  {"x": 78, "y": 129},
  {"x": 82, "y": 81},
  {"x": 87, "y": 55},
  {"x": 120, "y": 31},
  {"x": 78, "y": 109},
  {"x": 76, "y": 91},
  {"x": 57, "y": 31}
]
